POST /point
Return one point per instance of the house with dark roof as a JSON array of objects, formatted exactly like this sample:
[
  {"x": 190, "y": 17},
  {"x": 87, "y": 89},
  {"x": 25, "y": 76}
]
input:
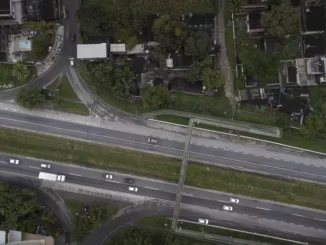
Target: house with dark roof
[
  {"x": 314, "y": 45},
  {"x": 34, "y": 10},
  {"x": 253, "y": 22},
  {"x": 313, "y": 19}
]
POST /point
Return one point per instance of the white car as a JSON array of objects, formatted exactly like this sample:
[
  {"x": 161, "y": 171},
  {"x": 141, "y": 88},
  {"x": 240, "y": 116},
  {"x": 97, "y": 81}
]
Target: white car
[
  {"x": 234, "y": 200},
  {"x": 152, "y": 140},
  {"x": 130, "y": 188},
  {"x": 72, "y": 61},
  {"x": 203, "y": 221},
  {"x": 109, "y": 176},
  {"x": 13, "y": 161},
  {"x": 227, "y": 208},
  {"x": 45, "y": 165}
]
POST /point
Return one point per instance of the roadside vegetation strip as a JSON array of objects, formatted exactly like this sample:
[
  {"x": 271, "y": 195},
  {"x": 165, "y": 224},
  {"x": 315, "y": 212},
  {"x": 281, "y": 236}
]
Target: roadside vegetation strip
[
  {"x": 165, "y": 223},
  {"x": 152, "y": 165}
]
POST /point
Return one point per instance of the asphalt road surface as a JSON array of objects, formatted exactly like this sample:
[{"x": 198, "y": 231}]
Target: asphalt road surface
[
  {"x": 166, "y": 191},
  {"x": 215, "y": 156}
]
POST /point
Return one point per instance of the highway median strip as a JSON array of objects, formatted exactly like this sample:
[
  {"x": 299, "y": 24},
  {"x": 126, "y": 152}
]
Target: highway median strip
[{"x": 166, "y": 168}]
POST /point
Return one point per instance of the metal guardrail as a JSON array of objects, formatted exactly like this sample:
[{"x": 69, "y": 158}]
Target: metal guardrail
[{"x": 221, "y": 122}]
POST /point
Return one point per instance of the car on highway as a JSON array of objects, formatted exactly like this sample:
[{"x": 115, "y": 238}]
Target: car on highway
[
  {"x": 45, "y": 165},
  {"x": 203, "y": 221},
  {"x": 152, "y": 140},
  {"x": 134, "y": 189},
  {"x": 72, "y": 61},
  {"x": 129, "y": 181},
  {"x": 13, "y": 161},
  {"x": 109, "y": 176},
  {"x": 227, "y": 208},
  {"x": 234, "y": 200}
]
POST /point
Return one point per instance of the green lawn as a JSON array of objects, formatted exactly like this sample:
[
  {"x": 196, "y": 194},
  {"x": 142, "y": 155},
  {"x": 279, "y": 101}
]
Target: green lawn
[
  {"x": 113, "y": 158},
  {"x": 68, "y": 100},
  {"x": 165, "y": 223},
  {"x": 6, "y": 76}
]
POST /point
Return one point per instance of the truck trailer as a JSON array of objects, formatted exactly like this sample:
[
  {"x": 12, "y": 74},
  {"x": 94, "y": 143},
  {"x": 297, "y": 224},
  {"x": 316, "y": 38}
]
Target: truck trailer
[{"x": 52, "y": 177}]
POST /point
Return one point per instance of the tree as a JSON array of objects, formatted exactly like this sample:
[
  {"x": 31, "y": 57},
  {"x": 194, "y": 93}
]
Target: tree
[
  {"x": 312, "y": 125},
  {"x": 40, "y": 45},
  {"x": 170, "y": 33},
  {"x": 30, "y": 98},
  {"x": 197, "y": 45},
  {"x": 194, "y": 74},
  {"x": 134, "y": 236},
  {"x": 212, "y": 79},
  {"x": 102, "y": 74},
  {"x": 20, "y": 72},
  {"x": 156, "y": 97},
  {"x": 262, "y": 66},
  {"x": 281, "y": 19},
  {"x": 122, "y": 79},
  {"x": 236, "y": 5}
]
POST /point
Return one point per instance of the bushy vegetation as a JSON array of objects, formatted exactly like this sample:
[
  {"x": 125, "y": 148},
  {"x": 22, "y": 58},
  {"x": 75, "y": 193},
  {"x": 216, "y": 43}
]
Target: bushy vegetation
[
  {"x": 21, "y": 209},
  {"x": 15, "y": 75}
]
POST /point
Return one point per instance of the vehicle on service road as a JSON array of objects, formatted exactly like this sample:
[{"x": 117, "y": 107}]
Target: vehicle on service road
[
  {"x": 129, "y": 181},
  {"x": 227, "y": 208},
  {"x": 130, "y": 188},
  {"x": 52, "y": 177},
  {"x": 234, "y": 200},
  {"x": 72, "y": 61},
  {"x": 13, "y": 161},
  {"x": 45, "y": 165},
  {"x": 203, "y": 221},
  {"x": 152, "y": 140},
  {"x": 109, "y": 176}
]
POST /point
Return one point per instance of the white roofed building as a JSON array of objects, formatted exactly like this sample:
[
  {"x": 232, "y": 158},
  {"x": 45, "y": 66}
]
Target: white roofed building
[{"x": 92, "y": 51}]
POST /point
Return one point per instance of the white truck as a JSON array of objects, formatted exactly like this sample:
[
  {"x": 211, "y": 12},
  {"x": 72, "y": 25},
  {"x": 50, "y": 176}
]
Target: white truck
[{"x": 52, "y": 177}]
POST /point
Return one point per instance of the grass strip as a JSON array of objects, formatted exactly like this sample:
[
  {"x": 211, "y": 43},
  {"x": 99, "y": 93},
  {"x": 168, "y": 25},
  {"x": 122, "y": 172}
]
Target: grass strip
[
  {"x": 73, "y": 151},
  {"x": 163, "y": 222}
]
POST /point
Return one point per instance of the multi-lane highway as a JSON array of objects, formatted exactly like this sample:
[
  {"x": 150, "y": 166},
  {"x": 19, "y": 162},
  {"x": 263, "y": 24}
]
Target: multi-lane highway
[
  {"x": 166, "y": 191},
  {"x": 202, "y": 150}
]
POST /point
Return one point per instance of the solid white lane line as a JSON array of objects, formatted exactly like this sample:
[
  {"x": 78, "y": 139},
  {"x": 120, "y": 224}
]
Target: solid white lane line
[
  {"x": 25, "y": 175},
  {"x": 299, "y": 215},
  {"x": 147, "y": 187},
  {"x": 324, "y": 220},
  {"x": 170, "y": 148},
  {"x": 114, "y": 181},
  {"x": 75, "y": 174},
  {"x": 266, "y": 209},
  {"x": 34, "y": 167}
]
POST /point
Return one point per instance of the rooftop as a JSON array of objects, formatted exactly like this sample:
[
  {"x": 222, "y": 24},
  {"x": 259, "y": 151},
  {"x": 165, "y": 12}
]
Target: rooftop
[
  {"x": 39, "y": 10},
  {"x": 314, "y": 45},
  {"x": 199, "y": 21},
  {"x": 253, "y": 22},
  {"x": 91, "y": 51},
  {"x": 5, "y": 8},
  {"x": 314, "y": 19}
]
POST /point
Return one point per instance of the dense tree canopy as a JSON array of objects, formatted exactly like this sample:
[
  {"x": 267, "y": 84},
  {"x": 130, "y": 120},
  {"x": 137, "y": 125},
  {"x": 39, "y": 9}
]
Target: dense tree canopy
[
  {"x": 281, "y": 19},
  {"x": 20, "y": 209},
  {"x": 102, "y": 74},
  {"x": 212, "y": 78},
  {"x": 30, "y": 98},
  {"x": 156, "y": 97},
  {"x": 262, "y": 66},
  {"x": 170, "y": 33},
  {"x": 20, "y": 72},
  {"x": 313, "y": 125},
  {"x": 40, "y": 45},
  {"x": 197, "y": 44}
]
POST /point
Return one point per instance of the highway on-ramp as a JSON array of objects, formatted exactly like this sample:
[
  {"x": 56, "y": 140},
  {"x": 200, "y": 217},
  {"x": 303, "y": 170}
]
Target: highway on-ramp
[
  {"x": 165, "y": 190},
  {"x": 202, "y": 150}
]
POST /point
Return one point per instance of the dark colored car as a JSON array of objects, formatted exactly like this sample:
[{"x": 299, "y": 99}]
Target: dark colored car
[
  {"x": 73, "y": 38},
  {"x": 129, "y": 181}
]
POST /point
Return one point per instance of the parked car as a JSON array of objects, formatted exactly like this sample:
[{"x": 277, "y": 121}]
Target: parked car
[
  {"x": 152, "y": 140},
  {"x": 227, "y": 208},
  {"x": 45, "y": 165},
  {"x": 234, "y": 200},
  {"x": 203, "y": 221},
  {"x": 134, "y": 189},
  {"x": 129, "y": 181},
  {"x": 13, "y": 161},
  {"x": 73, "y": 38},
  {"x": 109, "y": 176}
]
